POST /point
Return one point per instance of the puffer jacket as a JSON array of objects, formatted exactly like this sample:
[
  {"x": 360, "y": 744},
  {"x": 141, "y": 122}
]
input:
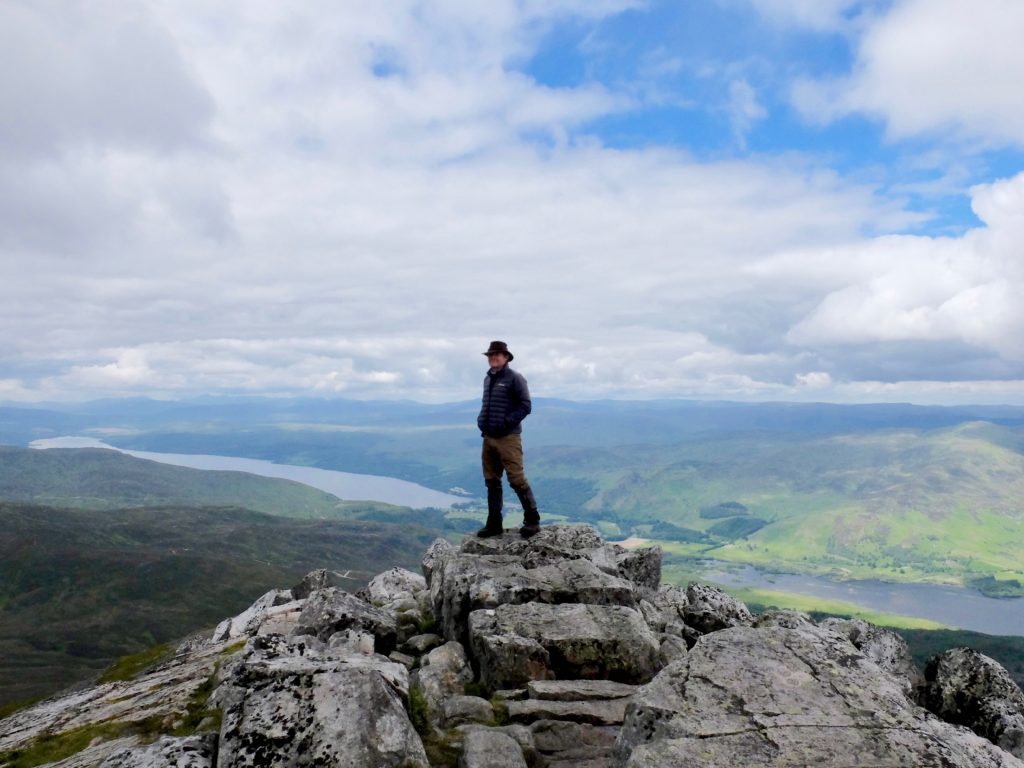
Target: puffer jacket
[{"x": 506, "y": 403}]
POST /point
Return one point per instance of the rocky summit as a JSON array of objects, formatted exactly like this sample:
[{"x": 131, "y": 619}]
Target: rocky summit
[{"x": 560, "y": 651}]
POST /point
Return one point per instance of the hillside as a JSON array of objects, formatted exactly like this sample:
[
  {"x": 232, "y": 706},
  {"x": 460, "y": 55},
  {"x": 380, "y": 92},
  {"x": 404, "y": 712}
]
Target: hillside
[
  {"x": 92, "y": 478},
  {"x": 901, "y": 505},
  {"x": 895, "y": 492},
  {"x": 79, "y": 588}
]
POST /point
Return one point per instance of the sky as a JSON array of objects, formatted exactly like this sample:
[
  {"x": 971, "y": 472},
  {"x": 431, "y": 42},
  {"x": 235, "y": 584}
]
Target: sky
[{"x": 714, "y": 199}]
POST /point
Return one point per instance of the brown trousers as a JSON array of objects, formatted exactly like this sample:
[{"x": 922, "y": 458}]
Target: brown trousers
[{"x": 505, "y": 454}]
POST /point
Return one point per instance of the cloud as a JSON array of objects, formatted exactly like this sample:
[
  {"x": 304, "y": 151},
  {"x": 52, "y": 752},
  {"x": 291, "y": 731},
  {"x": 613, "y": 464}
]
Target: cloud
[
  {"x": 355, "y": 199},
  {"x": 933, "y": 67},
  {"x": 961, "y": 290},
  {"x": 744, "y": 109}
]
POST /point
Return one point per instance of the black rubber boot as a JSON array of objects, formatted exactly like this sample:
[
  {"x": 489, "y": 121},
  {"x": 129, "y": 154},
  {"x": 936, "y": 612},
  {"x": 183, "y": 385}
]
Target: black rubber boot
[
  {"x": 531, "y": 516},
  {"x": 495, "y": 501}
]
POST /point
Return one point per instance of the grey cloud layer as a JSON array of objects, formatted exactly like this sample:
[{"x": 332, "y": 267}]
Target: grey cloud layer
[{"x": 246, "y": 197}]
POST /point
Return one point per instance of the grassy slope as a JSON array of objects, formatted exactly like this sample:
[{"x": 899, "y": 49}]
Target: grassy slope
[
  {"x": 90, "y": 478},
  {"x": 79, "y": 588},
  {"x": 940, "y": 505}
]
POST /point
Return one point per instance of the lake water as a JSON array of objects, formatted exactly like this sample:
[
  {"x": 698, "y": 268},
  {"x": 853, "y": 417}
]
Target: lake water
[
  {"x": 952, "y": 606},
  {"x": 345, "y": 485}
]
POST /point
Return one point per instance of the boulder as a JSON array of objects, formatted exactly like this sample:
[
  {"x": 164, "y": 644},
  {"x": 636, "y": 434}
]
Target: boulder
[
  {"x": 781, "y": 696},
  {"x": 395, "y": 584},
  {"x": 968, "y": 688},
  {"x": 467, "y": 709},
  {"x": 294, "y": 701},
  {"x": 598, "y": 712},
  {"x": 281, "y": 619},
  {"x": 579, "y": 690},
  {"x": 442, "y": 673},
  {"x": 554, "y": 541},
  {"x": 319, "y": 579},
  {"x": 247, "y": 623},
  {"x": 332, "y": 610},
  {"x": 490, "y": 748},
  {"x": 883, "y": 646},
  {"x": 464, "y": 583},
  {"x": 581, "y": 641},
  {"x": 420, "y": 644},
  {"x": 197, "y": 751},
  {"x": 565, "y": 743},
  {"x": 788, "y": 619},
  {"x": 709, "y": 609},
  {"x": 433, "y": 556}
]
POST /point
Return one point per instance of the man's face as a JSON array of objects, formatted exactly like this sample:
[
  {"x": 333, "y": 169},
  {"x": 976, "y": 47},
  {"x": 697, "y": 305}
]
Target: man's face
[{"x": 497, "y": 359}]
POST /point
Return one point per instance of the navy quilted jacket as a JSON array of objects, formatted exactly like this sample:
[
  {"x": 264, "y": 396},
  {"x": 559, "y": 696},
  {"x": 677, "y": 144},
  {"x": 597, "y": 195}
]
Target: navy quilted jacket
[{"x": 506, "y": 403}]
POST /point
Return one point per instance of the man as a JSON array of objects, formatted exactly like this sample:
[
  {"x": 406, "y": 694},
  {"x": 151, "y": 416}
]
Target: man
[{"x": 506, "y": 403}]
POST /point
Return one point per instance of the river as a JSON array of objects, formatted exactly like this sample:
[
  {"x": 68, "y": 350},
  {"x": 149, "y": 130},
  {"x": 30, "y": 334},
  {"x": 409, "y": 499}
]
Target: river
[
  {"x": 953, "y": 606},
  {"x": 345, "y": 485}
]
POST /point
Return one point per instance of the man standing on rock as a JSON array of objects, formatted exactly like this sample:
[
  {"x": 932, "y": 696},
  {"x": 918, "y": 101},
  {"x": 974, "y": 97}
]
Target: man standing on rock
[{"x": 506, "y": 403}]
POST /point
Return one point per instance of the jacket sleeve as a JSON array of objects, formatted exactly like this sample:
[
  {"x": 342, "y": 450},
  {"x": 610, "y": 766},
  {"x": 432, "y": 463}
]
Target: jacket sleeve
[{"x": 522, "y": 410}]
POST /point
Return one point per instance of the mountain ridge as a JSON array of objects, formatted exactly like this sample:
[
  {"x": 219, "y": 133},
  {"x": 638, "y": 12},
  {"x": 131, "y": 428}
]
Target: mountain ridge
[{"x": 561, "y": 650}]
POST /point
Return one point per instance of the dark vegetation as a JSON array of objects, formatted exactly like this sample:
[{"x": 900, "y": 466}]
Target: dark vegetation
[
  {"x": 725, "y": 509},
  {"x": 80, "y": 588},
  {"x": 737, "y": 527},
  {"x": 94, "y": 478}
]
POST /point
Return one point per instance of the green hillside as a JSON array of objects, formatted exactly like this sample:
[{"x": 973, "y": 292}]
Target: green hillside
[
  {"x": 943, "y": 505},
  {"x": 79, "y": 588},
  {"x": 93, "y": 478}
]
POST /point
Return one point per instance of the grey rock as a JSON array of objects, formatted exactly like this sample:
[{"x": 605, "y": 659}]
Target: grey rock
[
  {"x": 671, "y": 648},
  {"x": 490, "y": 748},
  {"x": 433, "y": 556},
  {"x": 603, "y": 712},
  {"x": 509, "y": 661},
  {"x": 519, "y": 733},
  {"x": 565, "y": 744},
  {"x": 332, "y": 610},
  {"x": 296, "y": 702},
  {"x": 196, "y": 751},
  {"x": 641, "y": 565},
  {"x": 319, "y": 579},
  {"x": 581, "y": 641},
  {"x": 562, "y": 736},
  {"x": 248, "y": 621},
  {"x": 788, "y": 619},
  {"x": 968, "y": 688},
  {"x": 883, "y": 646},
  {"x": 281, "y": 619},
  {"x": 467, "y": 709},
  {"x": 352, "y": 641},
  {"x": 420, "y": 644},
  {"x": 555, "y": 540},
  {"x": 400, "y": 658},
  {"x": 578, "y": 690},
  {"x": 787, "y": 697},
  {"x": 443, "y": 673},
  {"x": 395, "y": 584},
  {"x": 709, "y": 609},
  {"x": 463, "y": 583},
  {"x": 655, "y": 616}
]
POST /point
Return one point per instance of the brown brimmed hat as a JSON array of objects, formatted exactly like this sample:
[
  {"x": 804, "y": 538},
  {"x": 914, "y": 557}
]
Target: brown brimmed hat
[{"x": 499, "y": 346}]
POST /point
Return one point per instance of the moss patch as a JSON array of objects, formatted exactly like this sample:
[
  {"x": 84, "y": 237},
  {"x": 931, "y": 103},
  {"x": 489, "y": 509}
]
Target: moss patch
[
  {"x": 130, "y": 667},
  {"x": 50, "y": 748}
]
